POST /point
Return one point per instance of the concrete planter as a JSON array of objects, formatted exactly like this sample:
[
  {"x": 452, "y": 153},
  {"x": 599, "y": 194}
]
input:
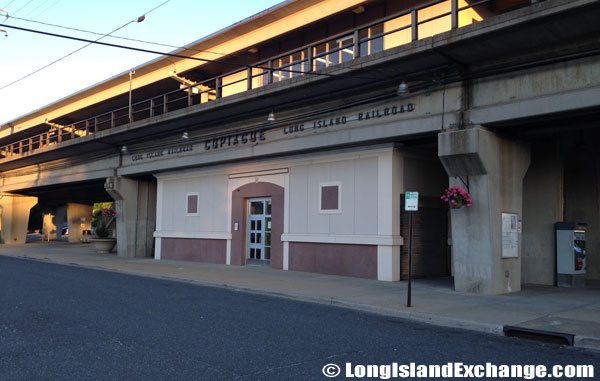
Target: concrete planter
[{"x": 104, "y": 245}]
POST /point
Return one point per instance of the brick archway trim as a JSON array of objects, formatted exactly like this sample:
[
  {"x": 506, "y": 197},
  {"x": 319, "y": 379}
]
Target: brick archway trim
[{"x": 239, "y": 213}]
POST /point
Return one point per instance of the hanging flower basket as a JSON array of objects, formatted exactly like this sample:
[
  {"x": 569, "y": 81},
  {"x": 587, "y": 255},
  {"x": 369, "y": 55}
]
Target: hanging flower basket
[{"x": 457, "y": 197}]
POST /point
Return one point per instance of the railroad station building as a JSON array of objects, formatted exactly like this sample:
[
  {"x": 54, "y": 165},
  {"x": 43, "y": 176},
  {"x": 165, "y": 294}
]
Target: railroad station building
[{"x": 295, "y": 145}]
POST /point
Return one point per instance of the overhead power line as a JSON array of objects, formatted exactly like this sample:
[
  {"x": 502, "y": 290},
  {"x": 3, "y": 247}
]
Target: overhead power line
[
  {"x": 117, "y": 37},
  {"x": 89, "y": 42},
  {"x": 26, "y": 4},
  {"x": 6, "y": 6},
  {"x": 60, "y": 59},
  {"x": 246, "y": 66}
]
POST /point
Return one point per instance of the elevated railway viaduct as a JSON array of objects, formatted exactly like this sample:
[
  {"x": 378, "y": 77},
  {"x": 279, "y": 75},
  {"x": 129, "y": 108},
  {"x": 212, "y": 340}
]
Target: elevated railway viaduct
[{"x": 506, "y": 107}]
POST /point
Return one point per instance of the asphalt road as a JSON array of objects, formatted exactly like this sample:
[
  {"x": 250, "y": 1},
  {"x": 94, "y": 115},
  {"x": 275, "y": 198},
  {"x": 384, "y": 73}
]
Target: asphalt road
[{"x": 63, "y": 322}]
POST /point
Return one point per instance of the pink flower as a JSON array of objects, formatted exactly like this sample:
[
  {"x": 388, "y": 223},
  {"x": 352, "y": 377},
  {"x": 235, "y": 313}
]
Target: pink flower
[
  {"x": 456, "y": 194},
  {"x": 468, "y": 205}
]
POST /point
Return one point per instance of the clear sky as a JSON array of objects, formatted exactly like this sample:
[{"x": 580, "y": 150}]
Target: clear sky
[{"x": 177, "y": 23}]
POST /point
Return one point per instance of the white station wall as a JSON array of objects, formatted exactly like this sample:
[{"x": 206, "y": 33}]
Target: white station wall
[
  {"x": 359, "y": 182},
  {"x": 356, "y": 173},
  {"x": 213, "y": 199}
]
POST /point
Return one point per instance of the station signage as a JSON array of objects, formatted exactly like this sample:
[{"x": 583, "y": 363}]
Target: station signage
[
  {"x": 238, "y": 139},
  {"x": 343, "y": 119},
  {"x": 411, "y": 201},
  {"x": 162, "y": 152},
  {"x": 235, "y": 139}
]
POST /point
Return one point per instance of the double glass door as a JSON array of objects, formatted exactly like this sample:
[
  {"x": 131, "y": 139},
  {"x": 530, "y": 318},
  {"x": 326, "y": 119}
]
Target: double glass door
[{"x": 259, "y": 231}]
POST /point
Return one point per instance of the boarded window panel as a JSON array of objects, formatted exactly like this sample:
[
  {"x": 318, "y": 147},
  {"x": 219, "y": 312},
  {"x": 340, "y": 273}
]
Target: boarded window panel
[
  {"x": 192, "y": 204},
  {"x": 330, "y": 197}
]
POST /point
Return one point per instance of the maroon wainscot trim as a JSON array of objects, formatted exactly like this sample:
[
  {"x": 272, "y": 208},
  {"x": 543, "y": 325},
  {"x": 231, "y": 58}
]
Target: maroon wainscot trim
[
  {"x": 358, "y": 261},
  {"x": 194, "y": 249}
]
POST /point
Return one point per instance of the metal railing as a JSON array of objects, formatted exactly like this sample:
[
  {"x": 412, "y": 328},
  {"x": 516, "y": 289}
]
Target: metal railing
[{"x": 365, "y": 40}]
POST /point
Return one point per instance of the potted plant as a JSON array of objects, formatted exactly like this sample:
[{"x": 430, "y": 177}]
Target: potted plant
[
  {"x": 457, "y": 197},
  {"x": 102, "y": 241}
]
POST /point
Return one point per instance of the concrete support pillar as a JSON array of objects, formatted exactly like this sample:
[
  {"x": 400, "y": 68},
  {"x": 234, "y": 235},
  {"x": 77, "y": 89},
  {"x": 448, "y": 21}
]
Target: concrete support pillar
[
  {"x": 14, "y": 217},
  {"x": 79, "y": 218},
  {"x": 542, "y": 208},
  {"x": 48, "y": 227},
  {"x": 390, "y": 176},
  {"x": 135, "y": 202},
  {"x": 494, "y": 168},
  {"x": 582, "y": 200},
  {"x": 53, "y": 223}
]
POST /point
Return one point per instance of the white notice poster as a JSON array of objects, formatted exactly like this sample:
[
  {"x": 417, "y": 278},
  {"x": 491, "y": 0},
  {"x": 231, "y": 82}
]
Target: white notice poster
[
  {"x": 411, "y": 201},
  {"x": 510, "y": 235}
]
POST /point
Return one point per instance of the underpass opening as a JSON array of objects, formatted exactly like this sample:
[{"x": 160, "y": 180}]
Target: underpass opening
[
  {"x": 64, "y": 212},
  {"x": 431, "y": 243}
]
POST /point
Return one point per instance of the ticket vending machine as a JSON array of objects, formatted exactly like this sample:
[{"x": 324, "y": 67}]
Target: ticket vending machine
[{"x": 570, "y": 254}]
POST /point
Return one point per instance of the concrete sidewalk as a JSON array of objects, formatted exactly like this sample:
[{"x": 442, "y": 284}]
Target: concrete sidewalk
[{"x": 434, "y": 301}]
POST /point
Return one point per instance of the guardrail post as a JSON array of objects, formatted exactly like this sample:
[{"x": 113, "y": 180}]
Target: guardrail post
[
  {"x": 356, "y": 49},
  {"x": 151, "y": 107},
  {"x": 414, "y": 23},
  {"x": 454, "y": 13},
  {"x": 218, "y": 87},
  {"x": 87, "y": 127},
  {"x": 31, "y": 144},
  {"x": 190, "y": 90},
  {"x": 72, "y": 131},
  {"x": 112, "y": 120},
  {"x": 309, "y": 58},
  {"x": 165, "y": 106},
  {"x": 249, "y": 80},
  {"x": 270, "y": 72}
]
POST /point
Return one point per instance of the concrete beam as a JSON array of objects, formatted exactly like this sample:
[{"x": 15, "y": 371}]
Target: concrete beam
[
  {"x": 538, "y": 107},
  {"x": 70, "y": 171}
]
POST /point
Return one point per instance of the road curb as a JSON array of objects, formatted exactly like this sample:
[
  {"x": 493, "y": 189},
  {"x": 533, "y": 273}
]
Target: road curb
[{"x": 589, "y": 342}]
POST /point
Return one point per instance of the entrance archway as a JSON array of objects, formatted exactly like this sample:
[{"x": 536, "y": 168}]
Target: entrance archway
[{"x": 239, "y": 213}]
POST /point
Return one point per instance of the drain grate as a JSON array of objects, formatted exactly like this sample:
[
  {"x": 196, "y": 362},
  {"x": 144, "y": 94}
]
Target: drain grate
[{"x": 539, "y": 335}]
